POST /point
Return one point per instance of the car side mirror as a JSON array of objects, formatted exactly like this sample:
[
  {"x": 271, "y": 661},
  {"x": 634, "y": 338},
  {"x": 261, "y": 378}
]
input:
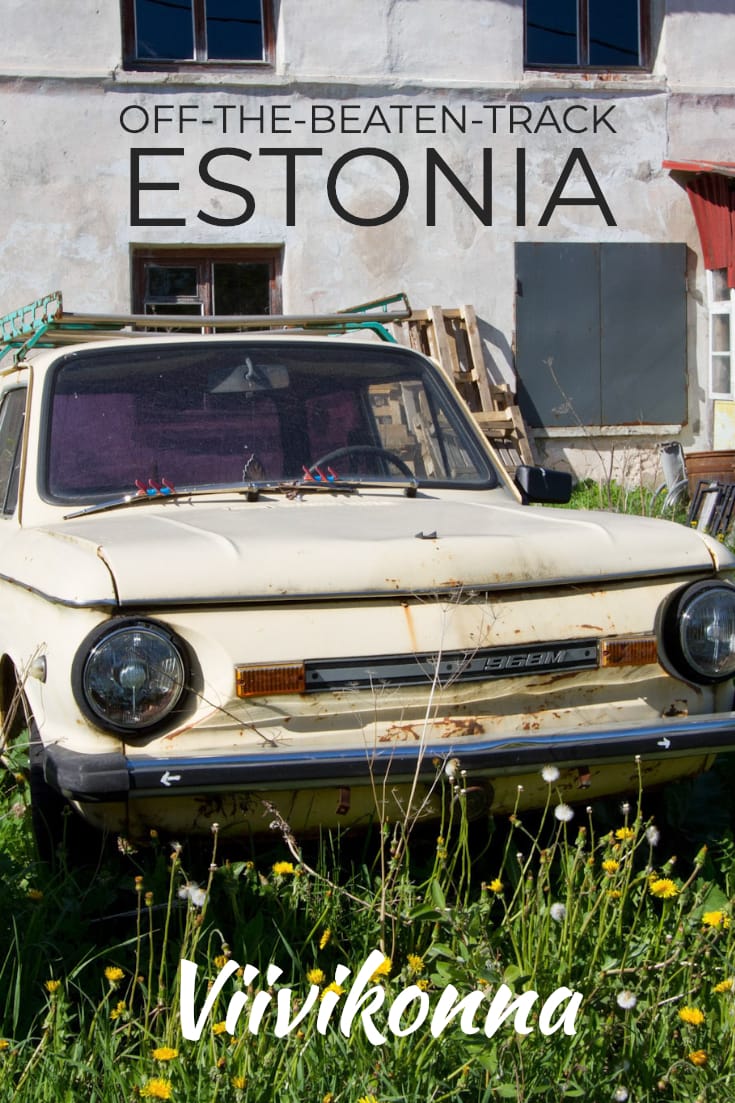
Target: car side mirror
[{"x": 543, "y": 484}]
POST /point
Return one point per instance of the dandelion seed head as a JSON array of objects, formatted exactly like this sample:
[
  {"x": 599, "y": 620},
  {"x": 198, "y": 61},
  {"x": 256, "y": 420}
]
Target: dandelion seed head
[
  {"x": 626, "y": 999},
  {"x": 564, "y": 813},
  {"x": 653, "y": 835},
  {"x": 452, "y": 768},
  {"x": 625, "y": 808},
  {"x": 558, "y": 912},
  {"x": 194, "y": 893},
  {"x": 620, "y": 1094},
  {"x": 550, "y": 774}
]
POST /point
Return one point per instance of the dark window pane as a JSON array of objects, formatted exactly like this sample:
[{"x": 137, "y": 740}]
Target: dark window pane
[
  {"x": 164, "y": 29},
  {"x": 613, "y": 30},
  {"x": 242, "y": 288},
  {"x": 11, "y": 426},
  {"x": 234, "y": 30},
  {"x": 168, "y": 282},
  {"x": 551, "y": 32}
]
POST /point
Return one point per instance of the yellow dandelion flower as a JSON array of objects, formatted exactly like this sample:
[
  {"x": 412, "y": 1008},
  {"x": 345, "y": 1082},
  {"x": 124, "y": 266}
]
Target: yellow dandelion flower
[
  {"x": 238, "y": 1082},
  {"x": 625, "y": 833},
  {"x": 328, "y": 1098},
  {"x": 333, "y": 987},
  {"x": 416, "y": 964},
  {"x": 219, "y": 1028},
  {"x": 383, "y": 969},
  {"x": 221, "y": 1062},
  {"x": 610, "y": 866},
  {"x": 34, "y": 894},
  {"x": 220, "y": 961},
  {"x": 157, "y": 1088},
  {"x": 316, "y": 976},
  {"x": 713, "y": 919},
  {"x": 118, "y": 1011},
  {"x": 726, "y": 985},
  {"x": 52, "y": 986},
  {"x": 165, "y": 1053},
  {"x": 282, "y": 869},
  {"x": 367, "y": 1099},
  {"x": 698, "y": 1057},
  {"x": 663, "y": 887},
  {"x": 4, "y": 1043},
  {"x": 691, "y": 1015},
  {"x": 114, "y": 974},
  {"x": 423, "y": 984},
  {"x": 496, "y": 885},
  {"x": 326, "y": 935},
  {"x": 614, "y": 894}
]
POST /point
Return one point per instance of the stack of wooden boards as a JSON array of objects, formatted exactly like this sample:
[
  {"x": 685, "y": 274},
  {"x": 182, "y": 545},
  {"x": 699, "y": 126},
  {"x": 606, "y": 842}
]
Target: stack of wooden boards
[{"x": 451, "y": 337}]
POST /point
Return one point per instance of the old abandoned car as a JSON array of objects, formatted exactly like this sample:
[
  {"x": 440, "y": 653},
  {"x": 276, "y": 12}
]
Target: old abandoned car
[{"x": 284, "y": 569}]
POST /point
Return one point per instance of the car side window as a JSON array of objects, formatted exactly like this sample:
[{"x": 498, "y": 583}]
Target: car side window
[{"x": 12, "y": 413}]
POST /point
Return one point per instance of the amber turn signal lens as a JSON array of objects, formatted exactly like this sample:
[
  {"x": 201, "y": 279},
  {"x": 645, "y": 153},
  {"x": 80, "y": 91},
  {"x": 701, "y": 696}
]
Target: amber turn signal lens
[
  {"x": 267, "y": 680},
  {"x": 634, "y": 651}
]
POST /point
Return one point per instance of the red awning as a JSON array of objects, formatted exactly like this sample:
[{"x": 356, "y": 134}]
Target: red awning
[
  {"x": 725, "y": 168},
  {"x": 712, "y": 197}
]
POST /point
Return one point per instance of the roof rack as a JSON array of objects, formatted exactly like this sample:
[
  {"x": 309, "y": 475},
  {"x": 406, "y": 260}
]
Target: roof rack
[{"x": 44, "y": 323}]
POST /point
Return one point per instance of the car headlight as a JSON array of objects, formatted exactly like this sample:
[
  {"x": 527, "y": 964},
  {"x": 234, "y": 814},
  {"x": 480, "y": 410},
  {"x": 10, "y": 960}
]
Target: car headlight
[
  {"x": 700, "y": 632},
  {"x": 130, "y": 677}
]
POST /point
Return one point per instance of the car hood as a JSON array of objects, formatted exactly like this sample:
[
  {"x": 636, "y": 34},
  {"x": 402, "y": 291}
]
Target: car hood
[{"x": 204, "y": 550}]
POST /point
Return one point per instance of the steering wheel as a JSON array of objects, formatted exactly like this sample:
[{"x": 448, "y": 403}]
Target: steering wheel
[{"x": 364, "y": 450}]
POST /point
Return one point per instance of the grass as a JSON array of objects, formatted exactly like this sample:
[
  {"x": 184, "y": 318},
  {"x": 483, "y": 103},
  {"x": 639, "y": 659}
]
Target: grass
[
  {"x": 629, "y": 905},
  {"x": 596, "y": 903}
]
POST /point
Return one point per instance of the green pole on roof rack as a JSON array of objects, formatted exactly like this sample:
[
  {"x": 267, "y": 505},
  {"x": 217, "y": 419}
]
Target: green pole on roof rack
[{"x": 43, "y": 322}]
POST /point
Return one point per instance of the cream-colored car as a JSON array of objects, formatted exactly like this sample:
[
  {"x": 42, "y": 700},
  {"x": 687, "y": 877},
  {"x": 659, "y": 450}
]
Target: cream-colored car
[{"x": 254, "y": 570}]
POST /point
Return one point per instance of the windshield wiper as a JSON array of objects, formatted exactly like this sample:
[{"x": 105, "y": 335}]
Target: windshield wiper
[{"x": 251, "y": 491}]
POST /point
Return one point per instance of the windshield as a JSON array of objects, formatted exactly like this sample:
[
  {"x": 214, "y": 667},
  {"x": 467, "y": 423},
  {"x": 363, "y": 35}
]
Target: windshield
[{"x": 226, "y": 412}]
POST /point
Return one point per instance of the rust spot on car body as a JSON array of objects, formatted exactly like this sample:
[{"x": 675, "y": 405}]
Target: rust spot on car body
[
  {"x": 410, "y": 625},
  {"x": 450, "y": 728}
]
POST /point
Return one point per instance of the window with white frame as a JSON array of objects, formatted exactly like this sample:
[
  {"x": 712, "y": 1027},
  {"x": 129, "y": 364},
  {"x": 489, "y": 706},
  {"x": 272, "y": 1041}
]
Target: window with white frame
[{"x": 721, "y": 344}]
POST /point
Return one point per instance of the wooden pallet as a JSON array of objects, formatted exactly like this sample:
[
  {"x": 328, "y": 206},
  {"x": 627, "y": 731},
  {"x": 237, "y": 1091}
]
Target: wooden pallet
[{"x": 452, "y": 338}]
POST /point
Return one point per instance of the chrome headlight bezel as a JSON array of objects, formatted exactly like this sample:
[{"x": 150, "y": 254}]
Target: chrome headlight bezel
[
  {"x": 683, "y": 628},
  {"x": 99, "y": 678}
]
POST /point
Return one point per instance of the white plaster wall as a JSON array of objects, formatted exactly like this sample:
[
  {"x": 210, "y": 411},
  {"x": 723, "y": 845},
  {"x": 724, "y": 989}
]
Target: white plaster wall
[
  {"x": 699, "y": 41},
  {"x": 46, "y": 36}
]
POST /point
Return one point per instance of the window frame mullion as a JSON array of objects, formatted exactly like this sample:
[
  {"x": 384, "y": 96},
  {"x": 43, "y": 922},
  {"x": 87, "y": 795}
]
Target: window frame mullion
[
  {"x": 583, "y": 34},
  {"x": 199, "y": 17}
]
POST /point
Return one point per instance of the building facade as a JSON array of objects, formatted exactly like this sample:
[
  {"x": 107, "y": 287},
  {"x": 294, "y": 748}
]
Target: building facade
[{"x": 562, "y": 165}]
